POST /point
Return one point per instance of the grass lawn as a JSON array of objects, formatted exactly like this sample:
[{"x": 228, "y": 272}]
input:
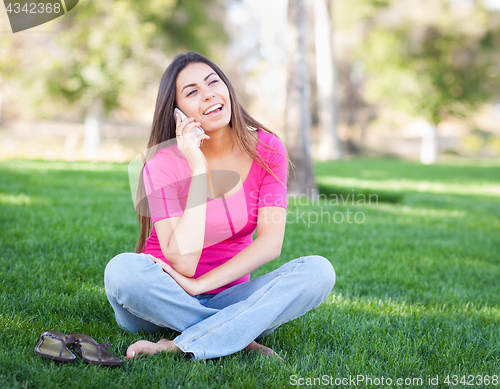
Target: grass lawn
[{"x": 417, "y": 293}]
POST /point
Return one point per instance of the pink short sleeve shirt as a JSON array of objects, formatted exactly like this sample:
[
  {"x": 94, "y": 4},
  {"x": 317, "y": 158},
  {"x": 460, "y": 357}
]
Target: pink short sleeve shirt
[{"x": 230, "y": 221}]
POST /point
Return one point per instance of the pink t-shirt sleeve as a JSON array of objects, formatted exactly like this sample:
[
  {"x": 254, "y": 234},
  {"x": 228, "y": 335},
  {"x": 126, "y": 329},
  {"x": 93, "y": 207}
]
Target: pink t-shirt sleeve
[
  {"x": 273, "y": 189},
  {"x": 163, "y": 187}
]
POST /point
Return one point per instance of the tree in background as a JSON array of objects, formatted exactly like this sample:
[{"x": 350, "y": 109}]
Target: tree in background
[
  {"x": 329, "y": 147},
  {"x": 298, "y": 116},
  {"x": 9, "y": 66},
  {"x": 432, "y": 60},
  {"x": 107, "y": 51}
]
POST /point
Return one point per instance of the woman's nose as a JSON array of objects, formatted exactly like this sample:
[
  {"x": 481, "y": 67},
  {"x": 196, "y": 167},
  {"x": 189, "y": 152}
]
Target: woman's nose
[{"x": 208, "y": 95}]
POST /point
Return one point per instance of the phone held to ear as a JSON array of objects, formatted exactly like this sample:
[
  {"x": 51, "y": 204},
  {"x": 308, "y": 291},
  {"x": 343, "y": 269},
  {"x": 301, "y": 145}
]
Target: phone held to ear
[{"x": 196, "y": 131}]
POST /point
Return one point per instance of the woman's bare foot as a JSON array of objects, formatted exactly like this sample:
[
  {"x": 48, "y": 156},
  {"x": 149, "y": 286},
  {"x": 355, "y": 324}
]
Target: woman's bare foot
[
  {"x": 256, "y": 347},
  {"x": 146, "y": 347}
]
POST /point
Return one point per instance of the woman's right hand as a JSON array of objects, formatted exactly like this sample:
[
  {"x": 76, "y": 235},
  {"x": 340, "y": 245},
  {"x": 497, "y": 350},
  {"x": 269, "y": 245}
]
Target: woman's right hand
[{"x": 187, "y": 145}]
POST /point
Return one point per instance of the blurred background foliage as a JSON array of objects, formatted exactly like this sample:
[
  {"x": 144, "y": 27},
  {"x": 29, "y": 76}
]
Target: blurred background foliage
[
  {"x": 437, "y": 61},
  {"x": 431, "y": 59},
  {"x": 110, "y": 49},
  {"x": 398, "y": 61}
]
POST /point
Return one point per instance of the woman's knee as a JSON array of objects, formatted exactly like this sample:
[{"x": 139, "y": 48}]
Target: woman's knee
[
  {"x": 121, "y": 270},
  {"x": 321, "y": 272}
]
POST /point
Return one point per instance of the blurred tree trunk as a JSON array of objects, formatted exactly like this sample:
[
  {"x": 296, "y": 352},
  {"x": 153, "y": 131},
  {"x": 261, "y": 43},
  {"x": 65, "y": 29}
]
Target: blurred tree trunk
[
  {"x": 429, "y": 145},
  {"x": 94, "y": 119},
  {"x": 298, "y": 120},
  {"x": 311, "y": 63},
  {"x": 326, "y": 77}
]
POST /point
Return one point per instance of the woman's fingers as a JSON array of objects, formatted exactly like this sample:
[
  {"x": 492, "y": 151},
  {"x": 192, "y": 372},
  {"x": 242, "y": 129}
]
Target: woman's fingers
[
  {"x": 163, "y": 265},
  {"x": 188, "y": 136},
  {"x": 186, "y": 126},
  {"x": 188, "y": 284},
  {"x": 200, "y": 137},
  {"x": 166, "y": 268},
  {"x": 189, "y": 143},
  {"x": 185, "y": 133}
]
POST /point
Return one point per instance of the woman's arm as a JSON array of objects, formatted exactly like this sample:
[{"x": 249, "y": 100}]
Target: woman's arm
[
  {"x": 271, "y": 222},
  {"x": 181, "y": 238}
]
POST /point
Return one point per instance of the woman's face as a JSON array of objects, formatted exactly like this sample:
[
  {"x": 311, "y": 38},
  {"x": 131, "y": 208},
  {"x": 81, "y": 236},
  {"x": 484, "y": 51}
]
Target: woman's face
[{"x": 202, "y": 95}]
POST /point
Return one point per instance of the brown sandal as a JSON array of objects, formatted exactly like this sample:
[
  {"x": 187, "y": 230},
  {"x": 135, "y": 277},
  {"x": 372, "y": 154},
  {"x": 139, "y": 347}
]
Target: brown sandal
[
  {"x": 52, "y": 345},
  {"x": 93, "y": 352}
]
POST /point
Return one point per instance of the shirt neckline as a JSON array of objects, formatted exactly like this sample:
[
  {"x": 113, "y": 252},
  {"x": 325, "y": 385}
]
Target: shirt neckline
[{"x": 246, "y": 179}]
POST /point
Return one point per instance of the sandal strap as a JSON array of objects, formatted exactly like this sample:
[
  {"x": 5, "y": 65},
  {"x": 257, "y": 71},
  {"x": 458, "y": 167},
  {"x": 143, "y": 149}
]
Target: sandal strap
[
  {"x": 50, "y": 334},
  {"x": 99, "y": 346}
]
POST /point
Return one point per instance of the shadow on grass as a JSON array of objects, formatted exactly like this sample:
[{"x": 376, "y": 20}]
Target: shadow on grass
[{"x": 345, "y": 195}]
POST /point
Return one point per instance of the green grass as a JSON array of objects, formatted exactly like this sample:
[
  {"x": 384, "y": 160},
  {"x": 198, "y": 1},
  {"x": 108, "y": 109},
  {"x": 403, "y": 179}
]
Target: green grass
[{"x": 417, "y": 291}]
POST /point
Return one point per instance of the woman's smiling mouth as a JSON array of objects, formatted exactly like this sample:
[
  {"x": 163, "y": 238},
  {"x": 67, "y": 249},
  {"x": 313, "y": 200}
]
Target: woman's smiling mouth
[{"x": 214, "y": 109}]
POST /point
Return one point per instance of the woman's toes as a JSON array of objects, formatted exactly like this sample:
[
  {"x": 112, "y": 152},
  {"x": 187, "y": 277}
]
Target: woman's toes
[
  {"x": 256, "y": 347},
  {"x": 130, "y": 353},
  {"x": 148, "y": 348},
  {"x": 140, "y": 347}
]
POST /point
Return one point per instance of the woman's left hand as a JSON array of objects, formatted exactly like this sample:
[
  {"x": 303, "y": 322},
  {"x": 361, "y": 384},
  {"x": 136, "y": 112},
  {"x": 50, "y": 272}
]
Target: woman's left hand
[{"x": 190, "y": 285}]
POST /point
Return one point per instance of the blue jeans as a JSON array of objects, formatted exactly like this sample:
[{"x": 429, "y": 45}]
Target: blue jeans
[{"x": 144, "y": 297}]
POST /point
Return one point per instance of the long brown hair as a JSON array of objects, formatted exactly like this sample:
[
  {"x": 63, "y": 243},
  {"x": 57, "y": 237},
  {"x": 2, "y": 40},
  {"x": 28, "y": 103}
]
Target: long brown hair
[{"x": 164, "y": 126}]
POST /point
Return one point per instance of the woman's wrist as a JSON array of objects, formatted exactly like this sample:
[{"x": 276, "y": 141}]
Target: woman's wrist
[
  {"x": 191, "y": 286},
  {"x": 197, "y": 170},
  {"x": 203, "y": 284}
]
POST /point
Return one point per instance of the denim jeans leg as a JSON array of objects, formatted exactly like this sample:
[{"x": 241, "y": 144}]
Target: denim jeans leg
[
  {"x": 144, "y": 297},
  {"x": 253, "y": 309}
]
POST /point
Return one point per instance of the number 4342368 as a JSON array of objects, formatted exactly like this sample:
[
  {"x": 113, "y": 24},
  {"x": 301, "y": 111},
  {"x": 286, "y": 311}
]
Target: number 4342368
[
  {"x": 471, "y": 380},
  {"x": 34, "y": 8}
]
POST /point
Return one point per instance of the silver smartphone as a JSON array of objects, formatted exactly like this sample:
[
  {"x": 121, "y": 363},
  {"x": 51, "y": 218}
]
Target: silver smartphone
[{"x": 196, "y": 131}]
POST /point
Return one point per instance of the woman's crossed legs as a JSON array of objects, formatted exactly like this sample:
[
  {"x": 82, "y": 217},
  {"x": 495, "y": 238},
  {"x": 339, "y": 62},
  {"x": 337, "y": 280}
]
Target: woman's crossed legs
[{"x": 144, "y": 297}]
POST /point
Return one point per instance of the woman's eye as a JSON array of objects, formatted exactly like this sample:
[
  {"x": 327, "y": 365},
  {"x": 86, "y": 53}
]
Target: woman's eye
[
  {"x": 213, "y": 82},
  {"x": 191, "y": 93}
]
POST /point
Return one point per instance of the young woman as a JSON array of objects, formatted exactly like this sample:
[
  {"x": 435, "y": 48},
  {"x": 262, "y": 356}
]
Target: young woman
[{"x": 192, "y": 273}]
